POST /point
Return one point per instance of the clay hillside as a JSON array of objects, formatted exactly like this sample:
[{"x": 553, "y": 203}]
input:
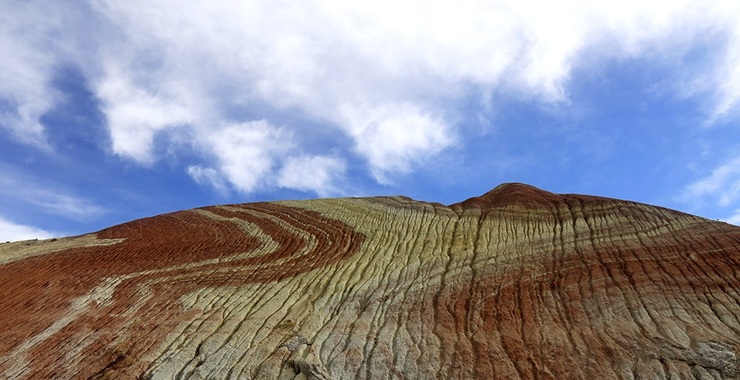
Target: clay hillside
[{"x": 518, "y": 283}]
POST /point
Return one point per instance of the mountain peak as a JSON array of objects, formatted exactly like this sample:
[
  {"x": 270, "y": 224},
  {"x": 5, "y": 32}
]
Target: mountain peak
[{"x": 511, "y": 193}]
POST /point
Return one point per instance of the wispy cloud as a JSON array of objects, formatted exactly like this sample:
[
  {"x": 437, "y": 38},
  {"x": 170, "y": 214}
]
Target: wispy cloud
[
  {"x": 47, "y": 198},
  {"x": 386, "y": 76},
  {"x": 722, "y": 186},
  {"x": 718, "y": 191},
  {"x": 727, "y": 77},
  {"x": 734, "y": 218},
  {"x": 25, "y": 70}
]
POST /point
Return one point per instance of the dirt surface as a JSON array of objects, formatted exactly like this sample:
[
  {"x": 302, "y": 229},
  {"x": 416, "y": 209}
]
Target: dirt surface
[{"x": 516, "y": 283}]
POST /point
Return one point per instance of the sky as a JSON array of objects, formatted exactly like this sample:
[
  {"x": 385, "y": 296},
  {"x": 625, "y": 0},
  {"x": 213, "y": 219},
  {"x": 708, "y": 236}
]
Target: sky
[{"x": 116, "y": 110}]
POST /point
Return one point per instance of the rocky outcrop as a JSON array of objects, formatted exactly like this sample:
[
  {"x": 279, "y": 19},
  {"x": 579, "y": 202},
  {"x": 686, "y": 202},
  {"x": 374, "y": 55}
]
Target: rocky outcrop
[{"x": 517, "y": 283}]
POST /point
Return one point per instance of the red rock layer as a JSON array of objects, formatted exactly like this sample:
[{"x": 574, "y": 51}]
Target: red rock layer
[
  {"x": 168, "y": 255},
  {"x": 622, "y": 290}
]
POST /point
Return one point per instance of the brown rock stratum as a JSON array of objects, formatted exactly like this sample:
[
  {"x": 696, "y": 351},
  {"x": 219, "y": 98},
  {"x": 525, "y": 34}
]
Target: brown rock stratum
[{"x": 517, "y": 283}]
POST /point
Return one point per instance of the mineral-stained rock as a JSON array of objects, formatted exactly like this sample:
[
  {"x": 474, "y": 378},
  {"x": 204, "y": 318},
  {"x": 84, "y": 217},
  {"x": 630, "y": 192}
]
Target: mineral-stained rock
[{"x": 517, "y": 283}]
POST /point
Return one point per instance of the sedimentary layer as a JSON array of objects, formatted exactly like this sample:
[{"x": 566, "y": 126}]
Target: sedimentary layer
[{"x": 516, "y": 283}]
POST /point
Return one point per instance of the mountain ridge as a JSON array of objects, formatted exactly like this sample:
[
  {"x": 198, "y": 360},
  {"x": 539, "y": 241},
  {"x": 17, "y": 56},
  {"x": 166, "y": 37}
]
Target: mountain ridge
[{"x": 515, "y": 283}]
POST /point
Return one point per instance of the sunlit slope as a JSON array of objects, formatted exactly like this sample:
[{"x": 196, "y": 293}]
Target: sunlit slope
[{"x": 517, "y": 283}]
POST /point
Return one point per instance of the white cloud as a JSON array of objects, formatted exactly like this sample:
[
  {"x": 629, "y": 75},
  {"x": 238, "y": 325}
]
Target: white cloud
[
  {"x": 10, "y": 231},
  {"x": 254, "y": 155},
  {"x": 25, "y": 70},
  {"x": 394, "y": 137},
  {"x": 247, "y": 152},
  {"x": 316, "y": 173},
  {"x": 208, "y": 176},
  {"x": 135, "y": 116},
  {"x": 727, "y": 77},
  {"x": 385, "y": 74}
]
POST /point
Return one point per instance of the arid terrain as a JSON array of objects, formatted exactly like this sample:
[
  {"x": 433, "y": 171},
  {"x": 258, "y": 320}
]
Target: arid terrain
[{"x": 518, "y": 283}]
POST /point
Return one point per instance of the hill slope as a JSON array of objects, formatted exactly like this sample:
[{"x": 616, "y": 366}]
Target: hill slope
[{"x": 516, "y": 283}]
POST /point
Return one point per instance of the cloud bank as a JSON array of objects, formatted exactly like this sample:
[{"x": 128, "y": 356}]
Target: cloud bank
[
  {"x": 10, "y": 231},
  {"x": 382, "y": 82}
]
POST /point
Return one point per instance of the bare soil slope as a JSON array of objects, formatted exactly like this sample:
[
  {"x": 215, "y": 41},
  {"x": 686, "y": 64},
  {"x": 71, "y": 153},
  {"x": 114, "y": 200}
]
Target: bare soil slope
[{"x": 516, "y": 283}]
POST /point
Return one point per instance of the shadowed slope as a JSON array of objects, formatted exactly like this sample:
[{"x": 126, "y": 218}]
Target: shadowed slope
[{"x": 516, "y": 283}]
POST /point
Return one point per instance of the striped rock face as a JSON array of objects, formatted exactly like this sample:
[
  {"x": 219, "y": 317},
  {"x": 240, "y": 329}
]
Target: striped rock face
[{"x": 517, "y": 283}]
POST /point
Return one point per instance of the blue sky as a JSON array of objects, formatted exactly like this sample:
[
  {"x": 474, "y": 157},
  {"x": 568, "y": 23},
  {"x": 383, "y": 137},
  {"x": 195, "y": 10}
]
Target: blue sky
[{"x": 116, "y": 110}]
